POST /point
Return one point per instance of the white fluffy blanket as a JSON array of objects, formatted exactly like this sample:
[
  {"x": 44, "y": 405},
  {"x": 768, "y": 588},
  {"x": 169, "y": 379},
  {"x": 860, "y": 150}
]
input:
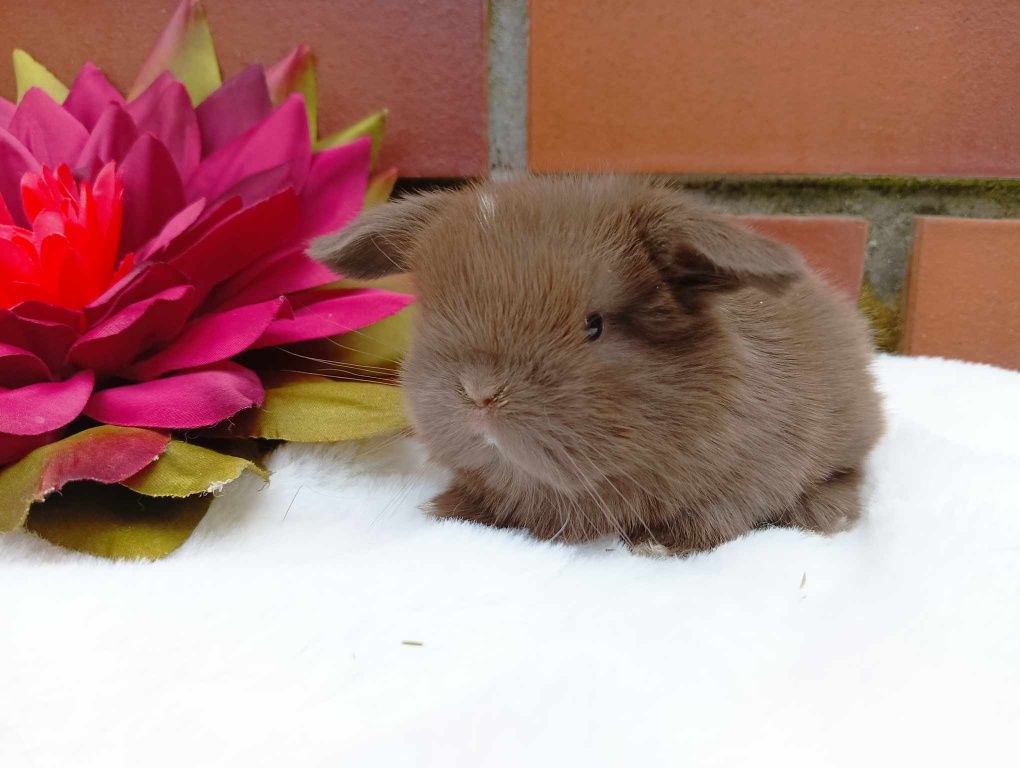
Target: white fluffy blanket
[{"x": 325, "y": 621}]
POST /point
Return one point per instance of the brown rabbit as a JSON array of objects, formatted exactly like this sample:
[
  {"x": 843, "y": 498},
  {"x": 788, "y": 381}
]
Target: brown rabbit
[{"x": 602, "y": 356}]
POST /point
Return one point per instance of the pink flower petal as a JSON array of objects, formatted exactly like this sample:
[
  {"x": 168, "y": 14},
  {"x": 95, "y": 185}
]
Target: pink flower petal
[
  {"x": 19, "y": 367},
  {"x": 179, "y": 223},
  {"x": 14, "y": 447},
  {"x": 44, "y": 407},
  {"x": 280, "y": 138},
  {"x": 210, "y": 339},
  {"x": 153, "y": 191},
  {"x": 144, "y": 281},
  {"x": 48, "y": 313},
  {"x": 164, "y": 110},
  {"x": 259, "y": 186},
  {"x": 5, "y": 215},
  {"x": 115, "y": 342},
  {"x": 12, "y": 330},
  {"x": 290, "y": 272},
  {"x": 196, "y": 398},
  {"x": 90, "y": 94},
  {"x": 335, "y": 189},
  {"x": 209, "y": 217},
  {"x": 110, "y": 140},
  {"x": 334, "y": 313},
  {"x": 15, "y": 162},
  {"x": 49, "y": 338},
  {"x": 47, "y": 130},
  {"x": 6, "y": 113},
  {"x": 236, "y": 106},
  {"x": 238, "y": 241}
]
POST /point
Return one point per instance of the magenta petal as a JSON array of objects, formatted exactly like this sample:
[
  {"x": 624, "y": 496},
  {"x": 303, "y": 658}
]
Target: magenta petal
[
  {"x": 6, "y": 113},
  {"x": 196, "y": 398},
  {"x": 90, "y": 94},
  {"x": 144, "y": 281},
  {"x": 48, "y": 313},
  {"x": 48, "y": 335},
  {"x": 209, "y": 218},
  {"x": 118, "y": 340},
  {"x": 11, "y": 329},
  {"x": 47, "y": 130},
  {"x": 111, "y": 138},
  {"x": 14, "y": 447},
  {"x": 236, "y": 106},
  {"x": 164, "y": 110},
  {"x": 289, "y": 273},
  {"x": 335, "y": 189},
  {"x": 280, "y": 138},
  {"x": 44, "y": 407},
  {"x": 337, "y": 312},
  {"x": 19, "y": 367},
  {"x": 179, "y": 223},
  {"x": 153, "y": 191},
  {"x": 210, "y": 339},
  {"x": 238, "y": 241},
  {"x": 15, "y": 162},
  {"x": 259, "y": 186}
]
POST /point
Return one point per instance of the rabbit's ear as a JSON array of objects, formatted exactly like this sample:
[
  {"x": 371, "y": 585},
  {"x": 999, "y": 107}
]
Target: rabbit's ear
[
  {"x": 377, "y": 243},
  {"x": 698, "y": 252}
]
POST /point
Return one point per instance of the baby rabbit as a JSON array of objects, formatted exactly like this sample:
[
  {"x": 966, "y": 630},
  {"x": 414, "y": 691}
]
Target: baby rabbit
[{"x": 602, "y": 356}]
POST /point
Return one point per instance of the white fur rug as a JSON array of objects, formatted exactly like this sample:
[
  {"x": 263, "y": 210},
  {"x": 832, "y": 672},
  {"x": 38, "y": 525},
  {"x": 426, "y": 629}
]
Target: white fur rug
[{"x": 279, "y": 634}]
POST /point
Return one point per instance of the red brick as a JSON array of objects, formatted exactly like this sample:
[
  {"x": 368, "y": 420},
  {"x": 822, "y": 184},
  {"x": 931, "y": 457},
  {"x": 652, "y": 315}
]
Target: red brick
[
  {"x": 963, "y": 296},
  {"x": 834, "y": 246},
  {"x": 426, "y": 62},
  {"x": 776, "y": 86}
]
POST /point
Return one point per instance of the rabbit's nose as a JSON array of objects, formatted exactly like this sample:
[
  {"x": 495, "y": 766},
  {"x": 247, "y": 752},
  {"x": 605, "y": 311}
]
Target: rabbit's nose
[{"x": 482, "y": 394}]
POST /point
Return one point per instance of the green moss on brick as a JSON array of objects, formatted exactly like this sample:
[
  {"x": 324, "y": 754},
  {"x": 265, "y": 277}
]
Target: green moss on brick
[{"x": 885, "y": 318}]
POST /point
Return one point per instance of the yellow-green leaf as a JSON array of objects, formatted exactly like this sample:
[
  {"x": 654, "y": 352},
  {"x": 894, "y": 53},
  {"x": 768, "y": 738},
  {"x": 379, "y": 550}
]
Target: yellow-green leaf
[
  {"x": 315, "y": 409},
  {"x": 402, "y": 282},
  {"x": 374, "y": 126},
  {"x": 381, "y": 345},
  {"x": 185, "y": 470},
  {"x": 295, "y": 73},
  {"x": 374, "y": 352},
  {"x": 380, "y": 188},
  {"x": 105, "y": 454},
  {"x": 185, "y": 49},
  {"x": 113, "y": 521},
  {"x": 29, "y": 73}
]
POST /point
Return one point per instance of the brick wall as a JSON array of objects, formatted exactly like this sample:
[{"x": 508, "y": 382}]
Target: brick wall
[{"x": 881, "y": 138}]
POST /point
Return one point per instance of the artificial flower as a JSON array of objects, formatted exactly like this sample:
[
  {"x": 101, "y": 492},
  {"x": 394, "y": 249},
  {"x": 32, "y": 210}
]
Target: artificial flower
[{"x": 147, "y": 242}]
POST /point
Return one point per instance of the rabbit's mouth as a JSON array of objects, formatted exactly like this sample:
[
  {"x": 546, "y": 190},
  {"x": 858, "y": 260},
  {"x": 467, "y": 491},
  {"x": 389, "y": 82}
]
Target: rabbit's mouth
[{"x": 530, "y": 456}]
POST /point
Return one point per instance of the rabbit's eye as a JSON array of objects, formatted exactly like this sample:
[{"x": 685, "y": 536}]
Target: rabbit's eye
[{"x": 593, "y": 326}]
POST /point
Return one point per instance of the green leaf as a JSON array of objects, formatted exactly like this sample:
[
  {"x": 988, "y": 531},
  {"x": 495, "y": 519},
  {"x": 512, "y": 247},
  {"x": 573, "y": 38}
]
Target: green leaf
[
  {"x": 185, "y": 49},
  {"x": 315, "y": 409},
  {"x": 114, "y": 522},
  {"x": 29, "y": 73},
  {"x": 380, "y": 187},
  {"x": 374, "y": 352},
  {"x": 374, "y": 126},
  {"x": 105, "y": 454},
  {"x": 185, "y": 470},
  {"x": 381, "y": 345},
  {"x": 295, "y": 73}
]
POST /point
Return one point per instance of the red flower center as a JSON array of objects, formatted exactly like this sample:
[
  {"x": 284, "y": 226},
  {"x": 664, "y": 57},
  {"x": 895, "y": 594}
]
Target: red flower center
[{"x": 69, "y": 255}]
